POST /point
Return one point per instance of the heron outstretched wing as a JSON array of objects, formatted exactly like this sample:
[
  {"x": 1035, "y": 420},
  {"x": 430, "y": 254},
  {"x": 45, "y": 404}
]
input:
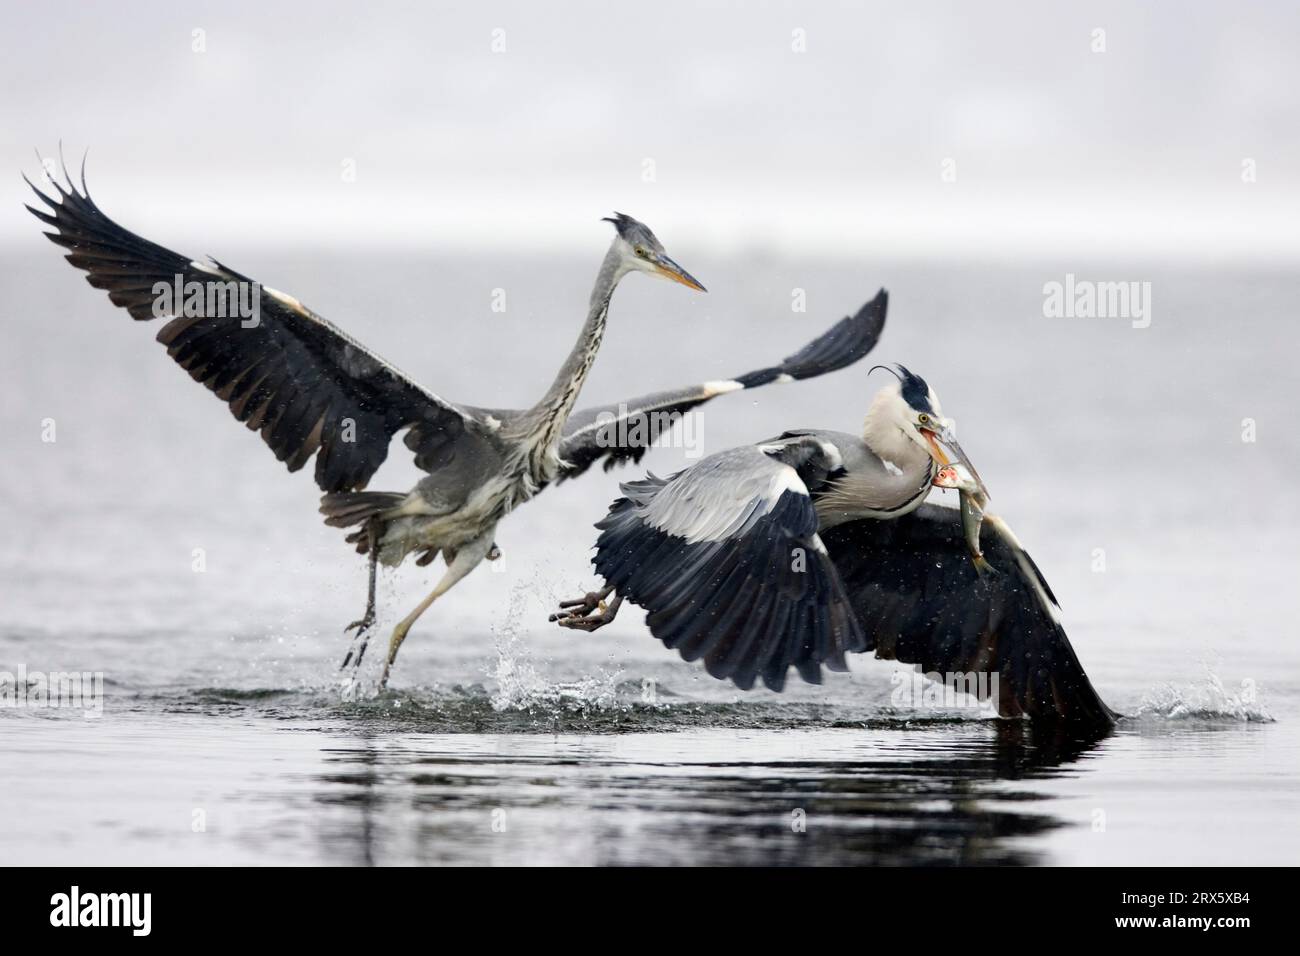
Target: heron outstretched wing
[
  {"x": 920, "y": 601},
  {"x": 725, "y": 558},
  {"x": 308, "y": 387},
  {"x": 625, "y": 430}
]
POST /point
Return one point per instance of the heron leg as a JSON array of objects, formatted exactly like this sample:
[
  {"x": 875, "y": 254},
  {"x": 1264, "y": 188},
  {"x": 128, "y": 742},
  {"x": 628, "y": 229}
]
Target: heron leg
[
  {"x": 362, "y": 627},
  {"x": 589, "y": 612},
  {"x": 466, "y": 560}
]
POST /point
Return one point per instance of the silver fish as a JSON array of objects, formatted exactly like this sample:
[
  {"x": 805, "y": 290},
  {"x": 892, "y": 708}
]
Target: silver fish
[{"x": 974, "y": 501}]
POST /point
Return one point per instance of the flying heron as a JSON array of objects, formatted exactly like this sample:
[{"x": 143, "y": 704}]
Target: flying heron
[
  {"x": 801, "y": 549},
  {"x": 311, "y": 389}
]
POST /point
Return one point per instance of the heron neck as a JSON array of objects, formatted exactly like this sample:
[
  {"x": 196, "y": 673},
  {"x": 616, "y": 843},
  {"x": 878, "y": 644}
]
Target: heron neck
[
  {"x": 889, "y": 443},
  {"x": 544, "y": 422}
]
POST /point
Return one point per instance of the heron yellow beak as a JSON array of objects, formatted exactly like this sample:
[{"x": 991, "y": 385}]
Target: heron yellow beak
[
  {"x": 936, "y": 450},
  {"x": 671, "y": 270},
  {"x": 958, "y": 454}
]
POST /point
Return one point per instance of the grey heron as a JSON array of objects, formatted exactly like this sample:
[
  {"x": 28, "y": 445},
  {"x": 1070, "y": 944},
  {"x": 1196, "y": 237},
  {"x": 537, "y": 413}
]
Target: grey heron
[
  {"x": 312, "y": 390},
  {"x": 815, "y": 544}
]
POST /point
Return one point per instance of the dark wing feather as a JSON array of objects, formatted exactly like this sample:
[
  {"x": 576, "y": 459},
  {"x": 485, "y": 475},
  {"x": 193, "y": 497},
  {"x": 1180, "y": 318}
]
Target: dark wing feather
[
  {"x": 752, "y": 597},
  {"x": 920, "y": 601},
  {"x": 623, "y": 431},
  {"x": 308, "y": 387}
]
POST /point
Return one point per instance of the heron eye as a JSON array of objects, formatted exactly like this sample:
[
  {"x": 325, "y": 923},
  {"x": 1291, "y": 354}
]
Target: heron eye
[
  {"x": 923, "y": 418},
  {"x": 641, "y": 253}
]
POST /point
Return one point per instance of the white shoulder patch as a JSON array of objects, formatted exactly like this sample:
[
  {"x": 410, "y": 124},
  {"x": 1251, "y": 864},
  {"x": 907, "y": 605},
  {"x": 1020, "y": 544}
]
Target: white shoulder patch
[
  {"x": 891, "y": 467},
  {"x": 786, "y": 479},
  {"x": 287, "y": 299},
  {"x": 721, "y": 387},
  {"x": 832, "y": 454}
]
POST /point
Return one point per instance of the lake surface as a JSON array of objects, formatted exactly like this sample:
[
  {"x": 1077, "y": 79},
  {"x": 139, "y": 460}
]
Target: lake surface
[{"x": 159, "y": 544}]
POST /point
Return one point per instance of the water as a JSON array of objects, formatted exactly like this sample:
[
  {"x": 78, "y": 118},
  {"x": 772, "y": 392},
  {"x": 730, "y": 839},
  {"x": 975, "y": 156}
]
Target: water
[{"x": 157, "y": 542}]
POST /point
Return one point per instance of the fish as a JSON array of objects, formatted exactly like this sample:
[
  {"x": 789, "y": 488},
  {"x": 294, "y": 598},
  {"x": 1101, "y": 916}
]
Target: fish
[
  {"x": 974, "y": 502},
  {"x": 974, "y": 514}
]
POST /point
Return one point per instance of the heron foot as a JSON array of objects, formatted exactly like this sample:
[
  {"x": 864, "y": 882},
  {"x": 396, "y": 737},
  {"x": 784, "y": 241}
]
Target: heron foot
[
  {"x": 364, "y": 624},
  {"x": 399, "y": 635},
  {"x": 362, "y": 627},
  {"x": 359, "y": 643},
  {"x": 589, "y": 612}
]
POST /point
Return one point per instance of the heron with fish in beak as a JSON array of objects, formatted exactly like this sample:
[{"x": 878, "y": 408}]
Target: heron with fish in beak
[{"x": 801, "y": 549}]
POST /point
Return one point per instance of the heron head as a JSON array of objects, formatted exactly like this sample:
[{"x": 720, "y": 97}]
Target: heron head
[
  {"x": 641, "y": 251},
  {"x": 911, "y": 407}
]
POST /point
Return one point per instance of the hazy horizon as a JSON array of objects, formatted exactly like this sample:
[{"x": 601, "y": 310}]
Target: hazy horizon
[{"x": 936, "y": 130}]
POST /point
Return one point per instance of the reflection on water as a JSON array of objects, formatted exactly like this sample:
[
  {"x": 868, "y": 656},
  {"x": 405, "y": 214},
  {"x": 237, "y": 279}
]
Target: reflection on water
[
  {"x": 444, "y": 777},
  {"x": 285, "y": 776},
  {"x": 920, "y": 801}
]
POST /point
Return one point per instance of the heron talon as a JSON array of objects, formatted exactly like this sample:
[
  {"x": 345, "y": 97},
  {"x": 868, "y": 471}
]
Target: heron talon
[
  {"x": 587, "y": 613},
  {"x": 583, "y": 623},
  {"x": 359, "y": 642},
  {"x": 362, "y": 625}
]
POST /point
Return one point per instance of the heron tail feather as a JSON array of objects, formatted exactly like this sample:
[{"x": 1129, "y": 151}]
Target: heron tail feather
[{"x": 342, "y": 509}]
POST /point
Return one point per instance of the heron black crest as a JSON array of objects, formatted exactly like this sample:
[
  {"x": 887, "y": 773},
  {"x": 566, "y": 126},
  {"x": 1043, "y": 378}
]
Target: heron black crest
[
  {"x": 915, "y": 391},
  {"x": 912, "y": 387},
  {"x": 629, "y": 228}
]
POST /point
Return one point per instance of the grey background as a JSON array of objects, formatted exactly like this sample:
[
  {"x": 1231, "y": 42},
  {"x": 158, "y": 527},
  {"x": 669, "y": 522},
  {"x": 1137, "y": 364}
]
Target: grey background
[{"x": 836, "y": 150}]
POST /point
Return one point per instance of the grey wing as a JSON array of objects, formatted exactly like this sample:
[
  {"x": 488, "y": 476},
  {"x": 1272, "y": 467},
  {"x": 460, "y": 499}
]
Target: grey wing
[
  {"x": 920, "y": 601},
  {"x": 308, "y": 387},
  {"x": 625, "y": 430},
  {"x": 725, "y": 558}
]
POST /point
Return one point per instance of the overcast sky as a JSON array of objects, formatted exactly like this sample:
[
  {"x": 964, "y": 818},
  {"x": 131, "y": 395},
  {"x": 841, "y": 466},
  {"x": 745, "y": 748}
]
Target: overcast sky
[{"x": 911, "y": 128}]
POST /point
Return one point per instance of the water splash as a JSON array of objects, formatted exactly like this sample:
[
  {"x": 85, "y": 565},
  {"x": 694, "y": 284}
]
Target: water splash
[
  {"x": 1205, "y": 699},
  {"x": 521, "y": 686}
]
